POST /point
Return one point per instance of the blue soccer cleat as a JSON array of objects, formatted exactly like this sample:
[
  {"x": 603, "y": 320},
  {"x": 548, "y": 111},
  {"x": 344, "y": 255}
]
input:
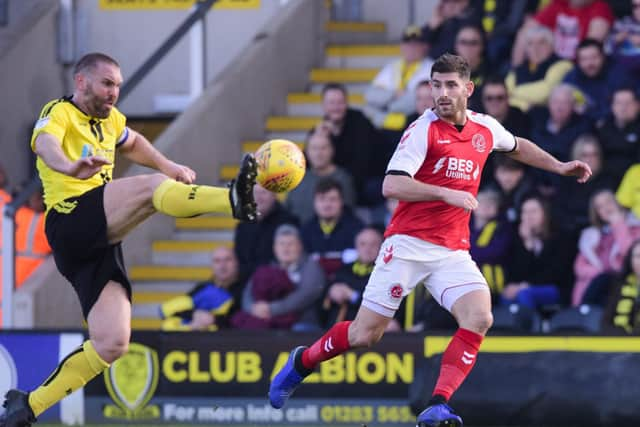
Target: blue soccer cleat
[
  {"x": 286, "y": 381},
  {"x": 439, "y": 415}
]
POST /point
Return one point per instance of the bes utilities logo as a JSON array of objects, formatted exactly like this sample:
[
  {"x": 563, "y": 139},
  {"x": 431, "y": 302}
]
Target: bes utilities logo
[
  {"x": 131, "y": 382},
  {"x": 457, "y": 168}
]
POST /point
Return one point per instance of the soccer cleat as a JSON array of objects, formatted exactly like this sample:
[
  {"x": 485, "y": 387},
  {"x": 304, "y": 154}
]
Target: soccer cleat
[
  {"x": 439, "y": 415},
  {"x": 286, "y": 381},
  {"x": 243, "y": 205},
  {"x": 17, "y": 413}
]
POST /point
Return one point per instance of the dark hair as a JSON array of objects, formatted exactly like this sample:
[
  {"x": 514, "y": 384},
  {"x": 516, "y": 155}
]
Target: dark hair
[
  {"x": 450, "y": 63},
  {"x": 504, "y": 161},
  {"x": 90, "y": 60},
  {"x": 546, "y": 210},
  {"x": 590, "y": 42},
  {"x": 494, "y": 80},
  {"x": 327, "y": 184},
  {"x": 478, "y": 29},
  {"x": 423, "y": 83},
  {"x": 627, "y": 267},
  {"x": 631, "y": 89},
  {"x": 335, "y": 86}
]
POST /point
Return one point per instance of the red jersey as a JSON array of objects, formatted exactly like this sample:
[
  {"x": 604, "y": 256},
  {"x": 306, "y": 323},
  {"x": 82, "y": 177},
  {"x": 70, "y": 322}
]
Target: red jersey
[
  {"x": 570, "y": 24},
  {"x": 435, "y": 152}
]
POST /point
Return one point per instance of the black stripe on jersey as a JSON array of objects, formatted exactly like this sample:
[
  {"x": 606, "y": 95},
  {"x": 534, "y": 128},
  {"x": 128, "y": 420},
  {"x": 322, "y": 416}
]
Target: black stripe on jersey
[
  {"x": 99, "y": 129},
  {"x": 515, "y": 147},
  {"x": 397, "y": 172},
  {"x": 46, "y": 112}
]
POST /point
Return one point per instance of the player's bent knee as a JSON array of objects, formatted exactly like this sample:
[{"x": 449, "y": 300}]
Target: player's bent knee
[
  {"x": 481, "y": 321},
  {"x": 112, "y": 347},
  {"x": 152, "y": 181}
]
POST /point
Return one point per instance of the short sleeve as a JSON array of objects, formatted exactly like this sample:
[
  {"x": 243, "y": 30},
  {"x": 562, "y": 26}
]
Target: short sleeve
[
  {"x": 54, "y": 123},
  {"x": 503, "y": 140},
  {"x": 120, "y": 125},
  {"x": 547, "y": 16},
  {"x": 601, "y": 9},
  {"x": 412, "y": 148}
]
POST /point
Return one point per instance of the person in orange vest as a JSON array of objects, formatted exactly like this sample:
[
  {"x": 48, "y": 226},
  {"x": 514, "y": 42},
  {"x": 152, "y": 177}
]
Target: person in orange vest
[
  {"x": 32, "y": 246},
  {"x": 5, "y": 197}
]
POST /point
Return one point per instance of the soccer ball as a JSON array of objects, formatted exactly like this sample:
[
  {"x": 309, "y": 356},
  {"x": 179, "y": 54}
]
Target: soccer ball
[{"x": 281, "y": 165}]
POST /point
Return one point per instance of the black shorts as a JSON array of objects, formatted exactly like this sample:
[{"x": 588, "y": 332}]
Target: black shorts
[{"x": 81, "y": 248}]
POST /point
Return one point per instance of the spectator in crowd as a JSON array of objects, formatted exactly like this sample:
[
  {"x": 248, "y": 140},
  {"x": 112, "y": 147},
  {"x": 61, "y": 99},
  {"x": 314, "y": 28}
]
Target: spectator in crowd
[
  {"x": 319, "y": 151},
  {"x": 571, "y": 202},
  {"x": 424, "y": 101},
  {"x": 391, "y": 95},
  {"x": 571, "y": 22},
  {"x": 596, "y": 78},
  {"x": 332, "y": 229},
  {"x": 470, "y": 44},
  {"x": 512, "y": 182},
  {"x": 253, "y": 242},
  {"x": 628, "y": 194},
  {"x": 602, "y": 247},
  {"x": 345, "y": 293},
  {"x": 623, "y": 43},
  {"x": 390, "y": 205},
  {"x": 359, "y": 147},
  {"x": 31, "y": 244},
  {"x": 210, "y": 303},
  {"x": 555, "y": 129},
  {"x": 490, "y": 239},
  {"x": 622, "y": 312},
  {"x": 530, "y": 83},
  {"x": 283, "y": 294},
  {"x": 446, "y": 19},
  {"x": 500, "y": 21},
  {"x": 620, "y": 132},
  {"x": 540, "y": 267},
  {"x": 496, "y": 102}
]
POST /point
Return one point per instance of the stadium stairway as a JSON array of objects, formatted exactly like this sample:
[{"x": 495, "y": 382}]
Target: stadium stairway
[{"x": 355, "y": 53}]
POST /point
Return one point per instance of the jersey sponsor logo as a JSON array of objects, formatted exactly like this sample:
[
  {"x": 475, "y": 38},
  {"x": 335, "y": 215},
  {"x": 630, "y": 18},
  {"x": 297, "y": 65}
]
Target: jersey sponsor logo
[
  {"x": 41, "y": 123},
  {"x": 395, "y": 291},
  {"x": 458, "y": 168},
  {"x": 444, "y": 141},
  {"x": 479, "y": 143},
  {"x": 388, "y": 254}
]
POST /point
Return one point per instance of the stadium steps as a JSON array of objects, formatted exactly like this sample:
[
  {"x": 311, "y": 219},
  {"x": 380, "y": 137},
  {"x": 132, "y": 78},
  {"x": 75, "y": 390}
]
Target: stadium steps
[
  {"x": 150, "y": 127},
  {"x": 355, "y": 54}
]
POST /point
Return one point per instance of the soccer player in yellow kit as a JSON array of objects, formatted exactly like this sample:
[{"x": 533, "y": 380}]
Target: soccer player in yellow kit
[{"x": 89, "y": 213}]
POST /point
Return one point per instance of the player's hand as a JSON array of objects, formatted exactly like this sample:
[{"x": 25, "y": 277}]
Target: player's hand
[
  {"x": 180, "y": 173},
  {"x": 461, "y": 199},
  {"x": 202, "y": 319},
  {"x": 340, "y": 293},
  {"x": 87, "y": 167},
  {"x": 576, "y": 168}
]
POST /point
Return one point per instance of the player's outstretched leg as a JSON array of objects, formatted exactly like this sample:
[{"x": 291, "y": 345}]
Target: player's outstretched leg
[
  {"x": 288, "y": 379},
  {"x": 439, "y": 415},
  {"x": 17, "y": 413}
]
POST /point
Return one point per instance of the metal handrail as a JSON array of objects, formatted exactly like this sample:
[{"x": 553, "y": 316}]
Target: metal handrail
[{"x": 8, "y": 213}]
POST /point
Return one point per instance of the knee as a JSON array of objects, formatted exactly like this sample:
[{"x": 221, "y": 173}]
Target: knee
[
  {"x": 152, "y": 181},
  {"x": 478, "y": 321},
  {"x": 111, "y": 347}
]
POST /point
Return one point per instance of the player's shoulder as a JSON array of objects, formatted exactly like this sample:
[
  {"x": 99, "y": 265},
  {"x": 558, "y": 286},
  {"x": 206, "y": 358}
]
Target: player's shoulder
[
  {"x": 422, "y": 123},
  {"x": 55, "y": 106},
  {"x": 483, "y": 119}
]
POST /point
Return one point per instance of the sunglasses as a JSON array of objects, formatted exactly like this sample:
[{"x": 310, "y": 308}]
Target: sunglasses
[
  {"x": 491, "y": 98},
  {"x": 467, "y": 42}
]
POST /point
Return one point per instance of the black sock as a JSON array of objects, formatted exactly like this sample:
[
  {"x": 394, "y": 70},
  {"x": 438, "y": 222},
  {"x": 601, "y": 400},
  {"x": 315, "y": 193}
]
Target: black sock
[
  {"x": 437, "y": 399},
  {"x": 299, "y": 367}
]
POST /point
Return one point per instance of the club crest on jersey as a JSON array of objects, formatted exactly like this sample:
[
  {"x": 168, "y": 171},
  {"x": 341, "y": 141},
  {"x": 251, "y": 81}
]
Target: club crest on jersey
[
  {"x": 479, "y": 143},
  {"x": 395, "y": 291}
]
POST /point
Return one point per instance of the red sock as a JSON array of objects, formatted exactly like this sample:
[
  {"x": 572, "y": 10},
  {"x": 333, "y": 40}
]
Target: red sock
[
  {"x": 332, "y": 344},
  {"x": 457, "y": 361}
]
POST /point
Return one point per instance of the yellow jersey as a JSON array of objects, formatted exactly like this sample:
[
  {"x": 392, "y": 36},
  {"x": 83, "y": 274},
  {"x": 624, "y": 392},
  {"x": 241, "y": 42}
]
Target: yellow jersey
[{"x": 79, "y": 136}]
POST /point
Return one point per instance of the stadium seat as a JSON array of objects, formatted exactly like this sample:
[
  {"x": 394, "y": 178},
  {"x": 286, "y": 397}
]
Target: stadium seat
[
  {"x": 585, "y": 318},
  {"x": 515, "y": 318}
]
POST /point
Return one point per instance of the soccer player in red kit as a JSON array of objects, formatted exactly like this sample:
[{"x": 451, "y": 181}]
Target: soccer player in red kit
[{"x": 435, "y": 173}]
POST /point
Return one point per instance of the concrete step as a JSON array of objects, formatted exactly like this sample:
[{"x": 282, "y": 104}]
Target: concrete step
[
  {"x": 205, "y": 235},
  {"x": 356, "y": 32},
  {"x": 182, "y": 286},
  {"x": 182, "y": 259},
  {"x": 310, "y": 104},
  {"x": 168, "y": 273},
  {"x": 342, "y": 75},
  {"x": 360, "y": 56},
  {"x": 150, "y": 127}
]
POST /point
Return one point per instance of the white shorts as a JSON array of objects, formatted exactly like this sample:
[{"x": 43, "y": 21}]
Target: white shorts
[{"x": 405, "y": 261}]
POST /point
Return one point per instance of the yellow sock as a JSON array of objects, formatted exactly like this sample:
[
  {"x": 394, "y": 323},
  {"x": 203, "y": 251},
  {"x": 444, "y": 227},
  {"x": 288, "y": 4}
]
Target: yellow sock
[
  {"x": 183, "y": 200},
  {"x": 77, "y": 369}
]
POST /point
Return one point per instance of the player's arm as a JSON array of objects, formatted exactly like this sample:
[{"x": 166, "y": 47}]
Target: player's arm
[
  {"x": 139, "y": 150},
  {"x": 402, "y": 186},
  {"x": 48, "y": 148},
  {"x": 527, "y": 152}
]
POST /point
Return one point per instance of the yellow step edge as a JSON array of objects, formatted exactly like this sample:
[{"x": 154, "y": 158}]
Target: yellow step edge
[
  {"x": 168, "y": 273},
  {"x": 153, "y": 297},
  {"x": 140, "y": 323},
  {"x": 343, "y": 75},
  {"x": 355, "y": 27},
  {"x": 229, "y": 172},
  {"x": 363, "y": 50},
  {"x": 316, "y": 98},
  {"x": 252, "y": 146},
  {"x": 287, "y": 123},
  {"x": 188, "y": 245},
  {"x": 206, "y": 222}
]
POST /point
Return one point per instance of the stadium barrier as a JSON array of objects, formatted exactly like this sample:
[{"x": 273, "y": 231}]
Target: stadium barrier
[{"x": 223, "y": 377}]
